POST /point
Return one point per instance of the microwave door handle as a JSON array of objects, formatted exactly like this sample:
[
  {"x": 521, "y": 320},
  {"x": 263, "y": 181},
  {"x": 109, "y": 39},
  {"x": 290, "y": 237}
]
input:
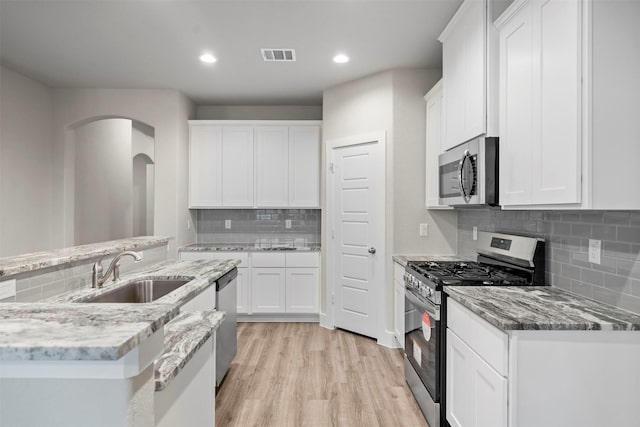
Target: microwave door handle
[{"x": 463, "y": 192}]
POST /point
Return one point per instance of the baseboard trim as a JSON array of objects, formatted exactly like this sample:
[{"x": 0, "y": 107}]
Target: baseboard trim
[
  {"x": 326, "y": 322},
  {"x": 388, "y": 339},
  {"x": 278, "y": 317}
]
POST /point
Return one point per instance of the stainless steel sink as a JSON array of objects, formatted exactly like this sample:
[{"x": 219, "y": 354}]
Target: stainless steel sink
[{"x": 140, "y": 291}]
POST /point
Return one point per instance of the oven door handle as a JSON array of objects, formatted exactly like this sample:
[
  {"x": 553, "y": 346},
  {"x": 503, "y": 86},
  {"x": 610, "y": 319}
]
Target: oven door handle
[{"x": 432, "y": 309}]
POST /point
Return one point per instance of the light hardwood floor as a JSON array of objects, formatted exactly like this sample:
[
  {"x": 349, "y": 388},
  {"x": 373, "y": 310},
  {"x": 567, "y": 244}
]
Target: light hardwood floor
[{"x": 299, "y": 375}]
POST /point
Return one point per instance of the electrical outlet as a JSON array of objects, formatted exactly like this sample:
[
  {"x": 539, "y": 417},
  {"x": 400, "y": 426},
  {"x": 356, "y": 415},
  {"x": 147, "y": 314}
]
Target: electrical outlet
[
  {"x": 424, "y": 230},
  {"x": 227, "y": 224},
  {"x": 287, "y": 223},
  {"x": 595, "y": 249},
  {"x": 475, "y": 233}
]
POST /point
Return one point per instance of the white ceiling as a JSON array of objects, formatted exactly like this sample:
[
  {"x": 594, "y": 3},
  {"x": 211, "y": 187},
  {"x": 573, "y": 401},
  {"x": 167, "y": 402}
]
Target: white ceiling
[{"x": 156, "y": 44}]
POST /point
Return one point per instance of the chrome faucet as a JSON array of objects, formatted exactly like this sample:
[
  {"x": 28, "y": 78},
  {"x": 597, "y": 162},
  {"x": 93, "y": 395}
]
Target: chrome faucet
[{"x": 98, "y": 278}]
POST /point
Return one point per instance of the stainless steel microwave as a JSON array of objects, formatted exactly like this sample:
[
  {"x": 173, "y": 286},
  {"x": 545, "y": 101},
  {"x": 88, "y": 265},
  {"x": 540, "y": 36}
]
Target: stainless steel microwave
[{"x": 468, "y": 173}]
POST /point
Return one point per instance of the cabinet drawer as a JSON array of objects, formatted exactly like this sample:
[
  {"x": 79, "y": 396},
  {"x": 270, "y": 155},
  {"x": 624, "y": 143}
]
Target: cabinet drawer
[
  {"x": 242, "y": 256},
  {"x": 303, "y": 260},
  {"x": 267, "y": 260},
  {"x": 485, "y": 339},
  {"x": 398, "y": 273}
]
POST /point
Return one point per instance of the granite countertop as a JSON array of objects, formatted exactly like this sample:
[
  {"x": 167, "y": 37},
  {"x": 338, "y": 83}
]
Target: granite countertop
[
  {"x": 43, "y": 331},
  {"x": 10, "y": 266},
  {"x": 541, "y": 308},
  {"x": 240, "y": 247},
  {"x": 404, "y": 259},
  {"x": 65, "y": 328},
  {"x": 201, "y": 273},
  {"x": 184, "y": 336}
]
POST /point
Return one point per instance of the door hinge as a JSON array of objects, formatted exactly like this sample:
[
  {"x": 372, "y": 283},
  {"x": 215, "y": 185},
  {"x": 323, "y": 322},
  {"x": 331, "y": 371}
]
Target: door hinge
[
  {"x": 331, "y": 167},
  {"x": 333, "y": 299},
  {"x": 333, "y": 235}
]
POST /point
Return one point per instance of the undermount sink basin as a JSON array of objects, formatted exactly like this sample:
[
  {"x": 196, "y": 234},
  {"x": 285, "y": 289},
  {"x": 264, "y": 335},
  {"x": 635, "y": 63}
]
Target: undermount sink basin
[{"x": 140, "y": 291}]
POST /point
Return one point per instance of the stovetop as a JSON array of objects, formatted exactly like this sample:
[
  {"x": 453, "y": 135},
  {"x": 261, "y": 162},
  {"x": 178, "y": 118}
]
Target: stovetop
[{"x": 460, "y": 273}]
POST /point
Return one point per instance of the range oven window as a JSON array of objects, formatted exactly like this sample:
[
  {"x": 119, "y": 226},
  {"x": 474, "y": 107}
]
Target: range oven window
[{"x": 422, "y": 344}]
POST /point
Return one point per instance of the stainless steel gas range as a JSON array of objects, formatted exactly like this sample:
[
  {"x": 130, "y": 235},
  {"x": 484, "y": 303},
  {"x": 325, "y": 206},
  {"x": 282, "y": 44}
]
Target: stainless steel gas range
[{"x": 502, "y": 260}]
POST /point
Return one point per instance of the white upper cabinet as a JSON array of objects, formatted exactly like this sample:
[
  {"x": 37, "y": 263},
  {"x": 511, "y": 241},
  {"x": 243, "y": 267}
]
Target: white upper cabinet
[
  {"x": 266, "y": 164},
  {"x": 304, "y": 166},
  {"x": 272, "y": 166},
  {"x": 469, "y": 65},
  {"x": 205, "y": 166},
  {"x": 237, "y": 166},
  {"x": 565, "y": 121},
  {"x": 540, "y": 104},
  {"x": 433, "y": 142}
]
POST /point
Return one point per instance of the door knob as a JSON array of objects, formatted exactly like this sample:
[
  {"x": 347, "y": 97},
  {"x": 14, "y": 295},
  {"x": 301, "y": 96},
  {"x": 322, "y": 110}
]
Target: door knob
[{"x": 372, "y": 250}]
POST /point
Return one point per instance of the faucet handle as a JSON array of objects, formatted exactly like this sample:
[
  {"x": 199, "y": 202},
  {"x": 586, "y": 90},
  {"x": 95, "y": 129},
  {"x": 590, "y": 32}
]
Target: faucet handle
[{"x": 116, "y": 272}]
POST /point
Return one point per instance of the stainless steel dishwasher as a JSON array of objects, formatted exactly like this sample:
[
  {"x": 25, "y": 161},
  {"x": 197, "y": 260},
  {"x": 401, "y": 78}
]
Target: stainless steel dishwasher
[{"x": 226, "y": 336}]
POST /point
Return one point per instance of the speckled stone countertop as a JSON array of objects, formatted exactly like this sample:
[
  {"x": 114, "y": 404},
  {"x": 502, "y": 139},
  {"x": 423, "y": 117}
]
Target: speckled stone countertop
[
  {"x": 10, "y": 266},
  {"x": 41, "y": 331},
  {"x": 184, "y": 336},
  {"x": 239, "y": 247},
  {"x": 541, "y": 308},
  {"x": 201, "y": 273},
  {"x": 64, "y": 328},
  {"x": 403, "y": 259}
]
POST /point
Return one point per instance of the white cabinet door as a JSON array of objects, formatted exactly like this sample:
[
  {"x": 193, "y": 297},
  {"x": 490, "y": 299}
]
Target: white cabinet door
[
  {"x": 237, "y": 166},
  {"x": 476, "y": 393},
  {"x": 557, "y": 85},
  {"x": 243, "y": 290},
  {"x": 268, "y": 290},
  {"x": 399, "y": 312},
  {"x": 302, "y": 290},
  {"x": 205, "y": 161},
  {"x": 433, "y": 143},
  {"x": 272, "y": 166},
  {"x": 516, "y": 108},
  {"x": 540, "y": 104},
  {"x": 304, "y": 166},
  {"x": 464, "y": 72}
]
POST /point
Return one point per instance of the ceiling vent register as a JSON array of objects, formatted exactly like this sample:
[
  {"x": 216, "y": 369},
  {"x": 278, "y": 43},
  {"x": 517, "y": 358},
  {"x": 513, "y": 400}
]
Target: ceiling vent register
[{"x": 278, "y": 55}]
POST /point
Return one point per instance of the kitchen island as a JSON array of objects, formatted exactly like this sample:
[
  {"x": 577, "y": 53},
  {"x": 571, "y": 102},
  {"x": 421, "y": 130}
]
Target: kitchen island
[{"x": 68, "y": 362}]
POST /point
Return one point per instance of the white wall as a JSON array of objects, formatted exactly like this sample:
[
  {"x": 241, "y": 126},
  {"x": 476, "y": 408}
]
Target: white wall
[
  {"x": 259, "y": 112},
  {"x": 26, "y": 147},
  {"x": 393, "y": 102},
  {"x": 103, "y": 181},
  {"x": 408, "y": 196},
  {"x": 167, "y": 111}
]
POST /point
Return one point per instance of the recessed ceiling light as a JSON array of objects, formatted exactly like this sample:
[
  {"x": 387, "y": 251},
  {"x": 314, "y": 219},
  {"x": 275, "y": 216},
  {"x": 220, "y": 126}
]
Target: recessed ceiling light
[
  {"x": 341, "y": 58},
  {"x": 207, "y": 58}
]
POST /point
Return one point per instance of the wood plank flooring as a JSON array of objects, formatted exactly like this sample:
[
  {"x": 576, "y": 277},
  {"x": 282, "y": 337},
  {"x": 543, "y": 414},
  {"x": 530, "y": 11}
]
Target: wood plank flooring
[{"x": 299, "y": 375}]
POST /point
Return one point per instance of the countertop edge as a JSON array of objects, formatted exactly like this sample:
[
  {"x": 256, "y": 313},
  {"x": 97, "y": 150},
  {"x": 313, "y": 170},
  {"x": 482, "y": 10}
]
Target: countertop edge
[
  {"x": 13, "y": 266},
  {"x": 184, "y": 336}
]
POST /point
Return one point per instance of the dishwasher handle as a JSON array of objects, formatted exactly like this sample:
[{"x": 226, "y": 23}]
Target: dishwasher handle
[{"x": 227, "y": 278}]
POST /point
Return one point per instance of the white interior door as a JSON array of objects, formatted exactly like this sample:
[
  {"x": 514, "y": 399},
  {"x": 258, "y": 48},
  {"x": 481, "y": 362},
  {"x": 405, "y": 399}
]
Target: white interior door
[{"x": 358, "y": 237}]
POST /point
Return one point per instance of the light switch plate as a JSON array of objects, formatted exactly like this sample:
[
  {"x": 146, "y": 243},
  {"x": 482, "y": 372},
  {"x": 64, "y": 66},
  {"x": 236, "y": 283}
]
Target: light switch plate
[
  {"x": 595, "y": 250},
  {"x": 475, "y": 233},
  {"x": 287, "y": 223},
  {"x": 227, "y": 224},
  {"x": 424, "y": 230},
  {"x": 7, "y": 289}
]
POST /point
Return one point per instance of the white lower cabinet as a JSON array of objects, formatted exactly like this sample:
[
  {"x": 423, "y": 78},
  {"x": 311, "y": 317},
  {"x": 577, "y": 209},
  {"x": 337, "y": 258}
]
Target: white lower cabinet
[
  {"x": 476, "y": 393},
  {"x": 268, "y": 293},
  {"x": 268, "y": 282},
  {"x": 301, "y": 290},
  {"x": 535, "y": 378}
]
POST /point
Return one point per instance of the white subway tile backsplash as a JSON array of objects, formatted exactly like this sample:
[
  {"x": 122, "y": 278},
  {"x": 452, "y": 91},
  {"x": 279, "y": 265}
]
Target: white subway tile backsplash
[{"x": 616, "y": 280}]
